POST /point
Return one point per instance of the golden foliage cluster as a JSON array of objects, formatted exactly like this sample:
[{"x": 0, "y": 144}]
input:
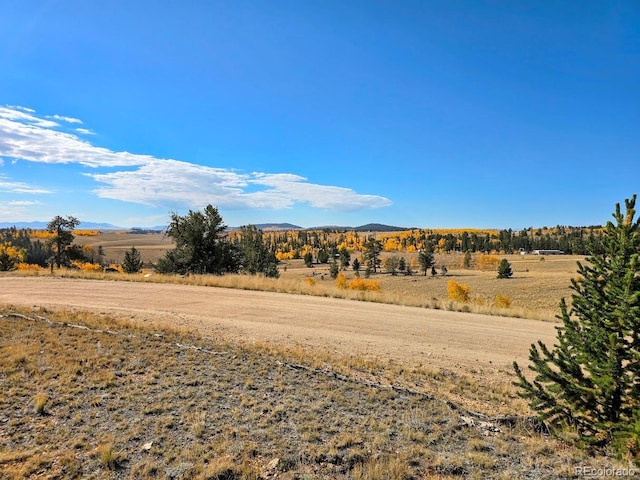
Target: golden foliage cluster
[
  {"x": 13, "y": 252},
  {"x": 458, "y": 291},
  {"x": 41, "y": 234},
  {"x": 487, "y": 262},
  {"x": 357, "y": 284},
  {"x": 364, "y": 285},
  {"x": 45, "y": 234},
  {"x": 87, "y": 233},
  {"x": 502, "y": 301},
  {"x": 87, "y": 266},
  {"x": 30, "y": 267},
  {"x": 290, "y": 255}
]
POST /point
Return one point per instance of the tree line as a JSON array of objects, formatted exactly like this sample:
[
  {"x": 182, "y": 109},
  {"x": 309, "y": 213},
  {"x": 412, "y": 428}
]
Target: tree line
[
  {"x": 326, "y": 244},
  {"x": 218, "y": 250},
  {"x": 202, "y": 246}
]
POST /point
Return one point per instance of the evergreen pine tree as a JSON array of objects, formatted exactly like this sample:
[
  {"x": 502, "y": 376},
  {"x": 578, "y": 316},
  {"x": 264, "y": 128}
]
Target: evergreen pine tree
[
  {"x": 61, "y": 229},
  {"x": 591, "y": 378},
  {"x": 371, "y": 253},
  {"x": 255, "y": 256},
  {"x": 466, "y": 263},
  {"x": 323, "y": 256},
  {"x": 132, "y": 261},
  {"x": 355, "y": 265},
  {"x": 345, "y": 257},
  {"x": 402, "y": 265},
  {"x": 308, "y": 259},
  {"x": 201, "y": 245},
  {"x": 504, "y": 269},
  {"x": 334, "y": 269},
  {"x": 425, "y": 259}
]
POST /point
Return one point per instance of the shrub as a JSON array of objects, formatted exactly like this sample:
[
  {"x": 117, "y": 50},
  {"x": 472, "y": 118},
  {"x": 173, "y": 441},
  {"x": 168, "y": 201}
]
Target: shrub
[
  {"x": 86, "y": 266},
  {"x": 341, "y": 281},
  {"x": 364, "y": 285},
  {"x": 10, "y": 256},
  {"x": 502, "y": 301},
  {"x": 40, "y": 403},
  {"x": 487, "y": 262},
  {"x": 108, "y": 457},
  {"x": 308, "y": 259},
  {"x": 458, "y": 291},
  {"x": 30, "y": 267},
  {"x": 115, "y": 268},
  {"x": 310, "y": 281}
]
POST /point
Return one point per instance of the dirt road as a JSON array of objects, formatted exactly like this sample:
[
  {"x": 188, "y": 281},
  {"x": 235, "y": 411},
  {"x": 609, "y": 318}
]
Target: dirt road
[{"x": 416, "y": 336}]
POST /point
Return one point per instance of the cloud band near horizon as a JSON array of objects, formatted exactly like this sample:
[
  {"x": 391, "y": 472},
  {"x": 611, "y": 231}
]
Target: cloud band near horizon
[{"x": 147, "y": 180}]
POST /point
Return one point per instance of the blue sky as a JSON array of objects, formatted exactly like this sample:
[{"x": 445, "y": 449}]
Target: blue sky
[{"x": 431, "y": 114}]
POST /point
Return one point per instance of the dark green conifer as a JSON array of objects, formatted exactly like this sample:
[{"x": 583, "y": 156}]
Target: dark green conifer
[
  {"x": 591, "y": 378},
  {"x": 504, "y": 269}
]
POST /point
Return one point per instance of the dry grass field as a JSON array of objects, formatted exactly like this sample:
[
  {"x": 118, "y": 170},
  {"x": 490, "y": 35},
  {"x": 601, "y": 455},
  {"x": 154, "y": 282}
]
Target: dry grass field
[
  {"x": 165, "y": 377},
  {"x": 535, "y": 290},
  {"x": 87, "y": 395},
  {"x": 115, "y": 243}
]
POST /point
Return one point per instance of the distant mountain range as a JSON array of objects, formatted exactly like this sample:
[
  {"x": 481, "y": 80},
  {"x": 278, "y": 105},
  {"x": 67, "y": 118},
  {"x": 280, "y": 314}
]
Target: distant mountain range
[
  {"x": 43, "y": 225},
  {"x": 369, "y": 227},
  {"x": 273, "y": 226}
]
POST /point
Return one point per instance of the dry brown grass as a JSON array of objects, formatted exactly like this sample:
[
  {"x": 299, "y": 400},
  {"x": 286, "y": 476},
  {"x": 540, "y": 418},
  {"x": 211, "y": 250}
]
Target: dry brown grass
[
  {"x": 128, "y": 401},
  {"x": 534, "y": 292},
  {"x": 115, "y": 243}
]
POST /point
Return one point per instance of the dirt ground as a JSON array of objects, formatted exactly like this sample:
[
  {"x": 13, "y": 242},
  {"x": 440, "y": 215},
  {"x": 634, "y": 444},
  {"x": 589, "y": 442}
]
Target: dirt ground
[{"x": 411, "y": 336}]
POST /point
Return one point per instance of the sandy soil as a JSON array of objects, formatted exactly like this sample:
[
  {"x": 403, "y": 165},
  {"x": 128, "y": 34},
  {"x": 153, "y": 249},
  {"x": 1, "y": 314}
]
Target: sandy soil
[{"x": 415, "y": 336}]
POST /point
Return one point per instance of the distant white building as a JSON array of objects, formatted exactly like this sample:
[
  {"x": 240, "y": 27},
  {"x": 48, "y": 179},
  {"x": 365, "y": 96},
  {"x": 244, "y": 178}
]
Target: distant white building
[{"x": 547, "y": 252}]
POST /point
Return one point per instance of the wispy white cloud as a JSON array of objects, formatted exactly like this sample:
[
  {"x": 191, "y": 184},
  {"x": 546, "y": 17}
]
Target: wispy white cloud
[
  {"x": 27, "y": 137},
  {"x": 24, "y": 203},
  {"x": 164, "y": 182},
  {"x": 171, "y": 182},
  {"x": 297, "y": 189},
  {"x": 85, "y": 131},
  {"x": 19, "y": 187},
  {"x": 64, "y": 119},
  {"x": 23, "y": 116},
  {"x": 20, "y": 210},
  {"x": 23, "y": 109}
]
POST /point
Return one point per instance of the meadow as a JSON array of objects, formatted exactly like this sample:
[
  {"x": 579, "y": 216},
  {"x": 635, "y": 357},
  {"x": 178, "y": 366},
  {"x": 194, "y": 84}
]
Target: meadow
[
  {"x": 103, "y": 393},
  {"x": 535, "y": 290},
  {"x": 89, "y": 395}
]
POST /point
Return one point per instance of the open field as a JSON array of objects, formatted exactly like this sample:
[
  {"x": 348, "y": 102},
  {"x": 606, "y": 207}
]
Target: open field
[
  {"x": 278, "y": 385},
  {"x": 412, "y": 337},
  {"x": 535, "y": 290},
  {"x": 115, "y": 243},
  {"x": 90, "y": 395}
]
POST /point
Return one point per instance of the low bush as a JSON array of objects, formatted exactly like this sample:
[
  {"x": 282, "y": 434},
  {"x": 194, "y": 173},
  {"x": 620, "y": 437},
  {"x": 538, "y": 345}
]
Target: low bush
[
  {"x": 87, "y": 266},
  {"x": 502, "y": 301},
  {"x": 458, "y": 291},
  {"x": 364, "y": 285},
  {"x": 357, "y": 284}
]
